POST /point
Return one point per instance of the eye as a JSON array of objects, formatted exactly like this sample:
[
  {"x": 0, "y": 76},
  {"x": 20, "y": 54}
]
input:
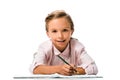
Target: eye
[
  {"x": 65, "y": 30},
  {"x": 54, "y": 31}
]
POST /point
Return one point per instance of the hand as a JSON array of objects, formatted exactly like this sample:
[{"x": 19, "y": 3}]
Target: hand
[
  {"x": 80, "y": 71},
  {"x": 66, "y": 70}
]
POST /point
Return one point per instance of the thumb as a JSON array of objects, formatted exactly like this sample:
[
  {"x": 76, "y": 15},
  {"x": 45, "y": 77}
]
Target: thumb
[{"x": 72, "y": 65}]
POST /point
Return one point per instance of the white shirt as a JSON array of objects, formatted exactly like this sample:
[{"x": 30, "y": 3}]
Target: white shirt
[{"x": 74, "y": 54}]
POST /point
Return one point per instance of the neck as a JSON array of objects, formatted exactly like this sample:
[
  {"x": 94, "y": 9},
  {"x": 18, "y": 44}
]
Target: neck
[{"x": 61, "y": 49}]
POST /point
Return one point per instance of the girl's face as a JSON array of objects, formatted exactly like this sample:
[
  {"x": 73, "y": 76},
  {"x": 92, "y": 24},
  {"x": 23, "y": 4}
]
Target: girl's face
[{"x": 59, "y": 30}]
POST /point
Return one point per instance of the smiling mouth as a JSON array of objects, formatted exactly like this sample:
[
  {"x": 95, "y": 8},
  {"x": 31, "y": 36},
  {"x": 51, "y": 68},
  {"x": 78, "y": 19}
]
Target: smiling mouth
[{"x": 61, "y": 41}]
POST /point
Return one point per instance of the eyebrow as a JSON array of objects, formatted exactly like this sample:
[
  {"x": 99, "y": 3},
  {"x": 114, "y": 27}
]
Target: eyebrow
[
  {"x": 67, "y": 27},
  {"x": 63, "y": 28}
]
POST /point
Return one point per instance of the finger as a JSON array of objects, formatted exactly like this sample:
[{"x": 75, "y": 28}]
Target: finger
[
  {"x": 67, "y": 69},
  {"x": 72, "y": 65},
  {"x": 68, "y": 73},
  {"x": 64, "y": 72}
]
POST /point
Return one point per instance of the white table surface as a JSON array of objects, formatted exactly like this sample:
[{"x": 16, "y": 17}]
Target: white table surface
[{"x": 58, "y": 77}]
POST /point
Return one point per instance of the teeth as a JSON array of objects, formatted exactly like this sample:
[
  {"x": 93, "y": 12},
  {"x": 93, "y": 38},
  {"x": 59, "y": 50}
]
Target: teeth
[{"x": 61, "y": 41}]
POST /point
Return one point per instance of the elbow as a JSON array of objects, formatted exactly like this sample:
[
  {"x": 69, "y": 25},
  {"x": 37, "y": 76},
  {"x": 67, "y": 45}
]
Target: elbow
[
  {"x": 95, "y": 71},
  {"x": 36, "y": 71},
  {"x": 91, "y": 70}
]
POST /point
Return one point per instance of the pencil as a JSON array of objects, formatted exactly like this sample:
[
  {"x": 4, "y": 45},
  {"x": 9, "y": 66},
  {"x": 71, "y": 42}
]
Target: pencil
[{"x": 66, "y": 62}]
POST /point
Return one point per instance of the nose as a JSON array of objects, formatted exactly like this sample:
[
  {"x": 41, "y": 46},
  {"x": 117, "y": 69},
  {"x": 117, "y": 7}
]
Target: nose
[{"x": 60, "y": 35}]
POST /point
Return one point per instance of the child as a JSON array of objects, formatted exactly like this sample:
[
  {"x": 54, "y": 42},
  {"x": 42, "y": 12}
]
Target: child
[{"x": 59, "y": 28}]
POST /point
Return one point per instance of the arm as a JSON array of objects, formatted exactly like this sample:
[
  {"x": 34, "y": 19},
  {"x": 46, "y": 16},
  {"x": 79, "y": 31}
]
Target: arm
[
  {"x": 88, "y": 64},
  {"x": 60, "y": 69},
  {"x": 43, "y": 69}
]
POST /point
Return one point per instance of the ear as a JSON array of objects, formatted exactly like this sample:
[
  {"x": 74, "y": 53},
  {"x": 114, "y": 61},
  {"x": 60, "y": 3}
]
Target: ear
[{"x": 72, "y": 32}]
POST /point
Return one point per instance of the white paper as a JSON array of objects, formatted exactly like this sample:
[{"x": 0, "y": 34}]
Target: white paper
[{"x": 56, "y": 76}]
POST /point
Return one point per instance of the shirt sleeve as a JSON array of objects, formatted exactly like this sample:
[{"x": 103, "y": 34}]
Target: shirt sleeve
[
  {"x": 38, "y": 59},
  {"x": 88, "y": 63}
]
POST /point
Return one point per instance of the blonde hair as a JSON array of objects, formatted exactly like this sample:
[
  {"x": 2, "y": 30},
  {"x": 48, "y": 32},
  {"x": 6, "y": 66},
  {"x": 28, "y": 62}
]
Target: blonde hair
[{"x": 58, "y": 14}]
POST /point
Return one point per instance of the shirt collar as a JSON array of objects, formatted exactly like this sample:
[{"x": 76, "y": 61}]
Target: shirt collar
[{"x": 65, "y": 53}]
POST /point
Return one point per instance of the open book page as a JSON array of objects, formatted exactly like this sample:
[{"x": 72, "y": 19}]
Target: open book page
[
  {"x": 73, "y": 76},
  {"x": 58, "y": 76}
]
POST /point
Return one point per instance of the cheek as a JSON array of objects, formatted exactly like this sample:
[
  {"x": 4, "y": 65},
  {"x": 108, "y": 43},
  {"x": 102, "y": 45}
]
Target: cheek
[
  {"x": 68, "y": 34},
  {"x": 51, "y": 36}
]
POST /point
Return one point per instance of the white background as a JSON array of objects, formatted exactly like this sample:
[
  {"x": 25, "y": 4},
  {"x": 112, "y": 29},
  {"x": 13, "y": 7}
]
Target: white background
[{"x": 22, "y": 29}]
